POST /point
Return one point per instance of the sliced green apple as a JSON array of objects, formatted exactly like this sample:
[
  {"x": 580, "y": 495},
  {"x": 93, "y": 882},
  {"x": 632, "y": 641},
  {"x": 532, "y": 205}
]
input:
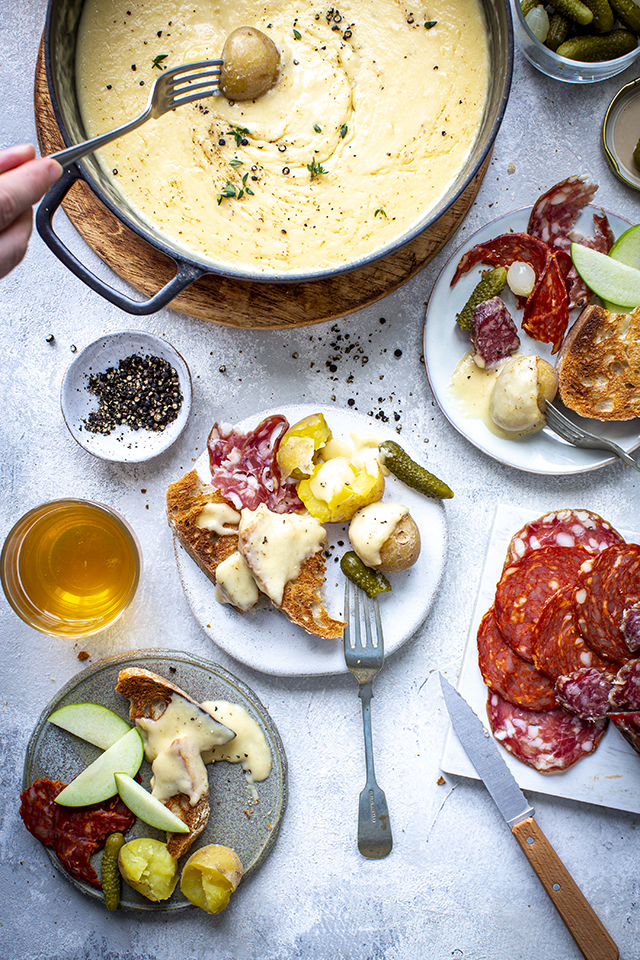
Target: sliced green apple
[
  {"x": 97, "y": 782},
  {"x": 611, "y": 280},
  {"x": 626, "y": 249},
  {"x": 147, "y": 807},
  {"x": 91, "y": 722}
]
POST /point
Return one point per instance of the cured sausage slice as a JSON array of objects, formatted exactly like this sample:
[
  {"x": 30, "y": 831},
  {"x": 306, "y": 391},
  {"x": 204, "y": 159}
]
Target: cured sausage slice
[
  {"x": 629, "y": 726},
  {"x": 559, "y": 648},
  {"x": 585, "y": 693},
  {"x": 563, "y": 528},
  {"x": 503, "y": 670},
  {"x": 244, "y": 466},
  {"x": 527, "y": 585},
  {"x": 547, "y": 740},
  {"x": 504, "y": 250},
  {"x": 554, "y": 214},
  {"x": 602, "y": 595},
  {"x": 493, "y": 333},
  {"x": 546, "y": 312},
  {"x": 630, "y": 627},
  {"x": 515, "y": 679},
  {"x": 625, "y": 693},
  {"x": 73, "y": 833}
]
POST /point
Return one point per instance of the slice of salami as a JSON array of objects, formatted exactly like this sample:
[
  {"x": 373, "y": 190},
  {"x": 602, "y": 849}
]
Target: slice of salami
[
  {"x": 244, "y": 466},
  {"x": 547, "y": 740},
  {"x": 585, "y": 693},
  {"x": 504, "y": 250},
  {"x": 527, "y": 585},
  {"x": 546, "y": 313},
  {"x": 554, "y": 213},
  {"x": 625, "y": 692},
  {"x": 515, "y": 679},
  {"x": 602, "y": 595},
  {"x": 73, "y": 833},
  {"x": 563, "y": 528},
  {"x": 558, "y": 646},
  {"x": 628, "y": 724},
  {"x": 493, "y": 333}
]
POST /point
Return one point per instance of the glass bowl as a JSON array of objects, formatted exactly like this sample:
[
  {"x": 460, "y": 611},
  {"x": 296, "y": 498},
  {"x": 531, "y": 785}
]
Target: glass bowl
[
  {"x": 570, "y": 71},
  {"x": 70, "y": 568}
]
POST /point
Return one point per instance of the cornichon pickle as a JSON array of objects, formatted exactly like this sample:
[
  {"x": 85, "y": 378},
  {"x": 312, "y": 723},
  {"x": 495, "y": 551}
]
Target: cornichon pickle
[
  {"x": 603, "y": 18},
  {"x": 527, "y": 6},
  {"x": 575, "y": 10},
  {"x": 591, "y": 48},
  {"x": 636, "y": 155},
  {"x": 110, "y": 874},
  {"x": 490, "y": 285},
  {"x": 628, "y": 14},
  {"x": 404, "y": 468},
  {"x": 371, "y": 581},
  {"x": 558, "y": 31}
]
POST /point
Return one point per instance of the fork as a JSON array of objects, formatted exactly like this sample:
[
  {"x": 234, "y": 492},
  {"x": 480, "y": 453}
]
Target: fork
[
  {"x": 575, "y": 435},
  {"x": 364, "y": 657},
  {"x": 173, "y": 88}
]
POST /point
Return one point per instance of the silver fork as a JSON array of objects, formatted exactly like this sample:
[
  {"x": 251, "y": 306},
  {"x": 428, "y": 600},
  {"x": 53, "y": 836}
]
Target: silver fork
[
  {"x": 173, "y": 88},
  {"x": 364, "y": 657},
  {"x": 575, "y": 435}
]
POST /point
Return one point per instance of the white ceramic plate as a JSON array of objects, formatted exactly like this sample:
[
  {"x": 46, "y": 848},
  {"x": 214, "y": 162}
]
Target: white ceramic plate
[
  {"x": 123, "y": 444},
  {"x": 445, "y": 344},
  {"x": 57, "y": 755},
  {"x": 610, "y": 776},
  {"x": 265, "y": 640}
]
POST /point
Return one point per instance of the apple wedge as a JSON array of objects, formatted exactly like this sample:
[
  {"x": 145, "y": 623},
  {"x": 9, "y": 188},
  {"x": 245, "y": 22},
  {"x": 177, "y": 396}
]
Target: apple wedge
[
  {"x": 91, "y": 722},
  {"x": 611, "y": 280},
  {"x": 626, "y": 249},
  {"x": 97, "y": 782},
  {"x": 147, "y": 807}
]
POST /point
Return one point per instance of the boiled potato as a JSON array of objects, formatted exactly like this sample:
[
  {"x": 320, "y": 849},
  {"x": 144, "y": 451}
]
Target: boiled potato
[
  {"x": 250, "y": 64},
  {"x": 520, "y": 392},
  {"x": 210, "y": 876},
  {"x": 149, "y": 868},
  {"x": 299, "y": 446},
  {"x": 337, "y": 489},
  {"x": 385, "y": 537},
  {"x": 401, "y": 550}
]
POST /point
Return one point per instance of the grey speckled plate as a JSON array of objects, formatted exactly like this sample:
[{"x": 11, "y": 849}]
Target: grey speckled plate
[{"x": 249, "y": 828}]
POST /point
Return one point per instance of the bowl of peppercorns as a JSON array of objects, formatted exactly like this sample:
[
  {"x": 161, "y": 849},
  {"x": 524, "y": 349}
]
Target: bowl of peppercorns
[{"x": 127, "y": 397}]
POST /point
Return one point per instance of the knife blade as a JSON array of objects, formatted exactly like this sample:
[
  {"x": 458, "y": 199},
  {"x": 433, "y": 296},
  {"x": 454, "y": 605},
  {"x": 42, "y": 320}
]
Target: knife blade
[{"x": 582, "y": 922}]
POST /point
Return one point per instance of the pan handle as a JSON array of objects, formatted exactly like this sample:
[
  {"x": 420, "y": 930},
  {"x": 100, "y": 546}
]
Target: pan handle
[{"x": 184, "y": 276}]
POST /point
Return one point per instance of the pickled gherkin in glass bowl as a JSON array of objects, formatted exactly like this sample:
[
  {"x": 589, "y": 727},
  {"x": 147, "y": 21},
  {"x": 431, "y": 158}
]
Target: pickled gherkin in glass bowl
[{"x": 592, "y": 38}]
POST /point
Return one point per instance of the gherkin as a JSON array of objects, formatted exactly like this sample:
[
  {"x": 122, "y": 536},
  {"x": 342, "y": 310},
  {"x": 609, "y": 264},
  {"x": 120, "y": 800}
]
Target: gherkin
[
  {"x": 371, "y": 581},
  {"x": 593, "y": 48},
  {"x": 110, "y": 873},
  {"x": 400, "y": 464},
  {"x": 490, "y": 285}
]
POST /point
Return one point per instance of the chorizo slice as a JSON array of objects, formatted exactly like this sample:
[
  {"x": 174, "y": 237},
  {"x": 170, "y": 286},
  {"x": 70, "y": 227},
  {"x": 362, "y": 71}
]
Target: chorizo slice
[
  {"x": 527, "y": 585},
  {"x": 559, "y": 649},
  {"x": 515, "y": 679},
  {"x": 602, "y": 595}
]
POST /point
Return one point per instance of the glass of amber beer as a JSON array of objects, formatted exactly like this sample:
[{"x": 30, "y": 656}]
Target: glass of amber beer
[{"x": 70, "y": 568}]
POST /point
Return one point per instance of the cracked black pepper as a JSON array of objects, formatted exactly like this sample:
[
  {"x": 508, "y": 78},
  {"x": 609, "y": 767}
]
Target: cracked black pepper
[{"x": 141, "y": 392}]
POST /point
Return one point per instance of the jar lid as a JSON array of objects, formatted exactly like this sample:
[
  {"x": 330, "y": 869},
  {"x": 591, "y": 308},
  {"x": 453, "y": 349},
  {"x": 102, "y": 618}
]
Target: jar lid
[{"x": 621, "y": 133}]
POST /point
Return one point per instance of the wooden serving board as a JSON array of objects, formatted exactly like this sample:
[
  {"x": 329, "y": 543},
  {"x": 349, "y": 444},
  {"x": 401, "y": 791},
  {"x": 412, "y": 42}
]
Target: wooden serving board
[{"x": 230, "y": 302}]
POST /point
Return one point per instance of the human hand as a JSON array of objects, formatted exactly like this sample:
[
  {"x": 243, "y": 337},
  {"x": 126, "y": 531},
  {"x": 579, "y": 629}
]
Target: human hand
[{"x": 23, "y": 181}]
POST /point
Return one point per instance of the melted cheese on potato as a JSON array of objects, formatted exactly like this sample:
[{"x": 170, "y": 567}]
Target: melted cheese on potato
[{"x": 372, "y": 118}]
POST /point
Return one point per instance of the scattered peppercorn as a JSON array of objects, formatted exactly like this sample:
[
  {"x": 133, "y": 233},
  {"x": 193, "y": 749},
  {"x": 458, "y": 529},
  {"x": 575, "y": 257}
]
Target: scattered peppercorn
[
  {"x": 50, "y": 338},
  {"x": 142, "y": 392}
]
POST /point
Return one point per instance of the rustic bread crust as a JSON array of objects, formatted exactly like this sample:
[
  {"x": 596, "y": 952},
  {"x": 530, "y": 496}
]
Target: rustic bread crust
[
  {"x": 301, "y": 601},
  {"x": 145, "y": 689},
  {"x": 599, "y": 365}
]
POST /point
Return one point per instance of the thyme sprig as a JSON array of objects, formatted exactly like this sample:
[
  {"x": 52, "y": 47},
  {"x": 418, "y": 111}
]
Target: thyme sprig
[
  {"x": 240, "y": 135},
  {"x": 316, "y": 169},
  {"x": 158, "y": 61},
  {"x": 230, "y": 190}
]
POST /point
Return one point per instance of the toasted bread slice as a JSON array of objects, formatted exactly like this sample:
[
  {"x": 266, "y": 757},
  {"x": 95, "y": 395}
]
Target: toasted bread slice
[
  {"x": 301, "y": 601},
  {"x": 599, "y": 365},
  {"x": 149, "y": 695}
]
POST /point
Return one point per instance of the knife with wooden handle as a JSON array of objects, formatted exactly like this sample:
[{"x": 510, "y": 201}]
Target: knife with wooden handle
[{"x": 581, "y": 920}]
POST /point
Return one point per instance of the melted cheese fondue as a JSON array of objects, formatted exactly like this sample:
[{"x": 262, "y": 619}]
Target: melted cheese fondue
[{"x": 376, "y": 110}]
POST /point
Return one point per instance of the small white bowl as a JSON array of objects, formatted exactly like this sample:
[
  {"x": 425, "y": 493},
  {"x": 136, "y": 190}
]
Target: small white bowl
[
  {"x": 123, "y": 444},
  {"x": 560, "y": 68}
]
